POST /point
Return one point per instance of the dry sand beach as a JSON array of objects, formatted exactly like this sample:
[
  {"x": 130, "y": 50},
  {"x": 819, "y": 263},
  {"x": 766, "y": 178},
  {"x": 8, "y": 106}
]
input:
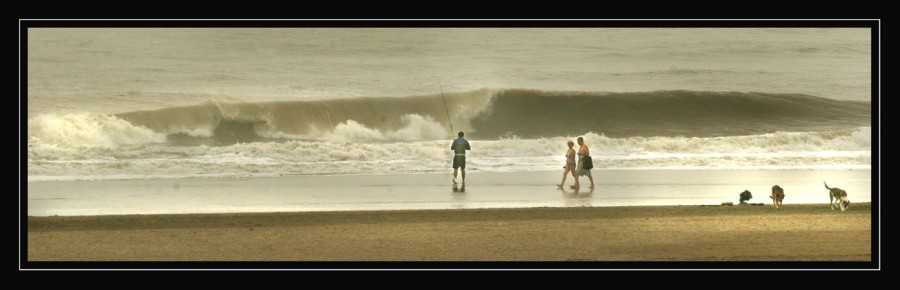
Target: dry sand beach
[{"x": 641, "y": 233}]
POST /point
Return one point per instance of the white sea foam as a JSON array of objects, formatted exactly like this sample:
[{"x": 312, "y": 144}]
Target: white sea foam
[
  {"x": 355, "y": 149},
  {"x": 415, "y": 128},
  {"x": 86, "y": 129}
]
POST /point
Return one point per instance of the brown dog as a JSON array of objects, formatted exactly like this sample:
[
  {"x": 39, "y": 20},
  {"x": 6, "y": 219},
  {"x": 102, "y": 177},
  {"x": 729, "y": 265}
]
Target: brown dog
[
  {"x": 837, "y": 196},
  {"x": 777, "y": 196}
]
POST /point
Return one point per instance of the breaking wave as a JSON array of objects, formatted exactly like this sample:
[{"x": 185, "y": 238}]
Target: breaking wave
[
  {"x": 510, "y": 130},
  {"x": 482, "y": 114}
]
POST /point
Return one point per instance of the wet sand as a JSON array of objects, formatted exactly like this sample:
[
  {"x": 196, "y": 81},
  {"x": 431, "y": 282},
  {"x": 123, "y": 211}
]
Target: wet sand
[
  {"x": 433, "y": 191},
  {"x": 810, "y": 232}
]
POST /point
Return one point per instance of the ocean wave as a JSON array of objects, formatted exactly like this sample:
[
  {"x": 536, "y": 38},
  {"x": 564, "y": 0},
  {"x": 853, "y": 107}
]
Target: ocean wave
[
  {"x": 482, "y": 114},
  {"x": 510, "y": 130}
]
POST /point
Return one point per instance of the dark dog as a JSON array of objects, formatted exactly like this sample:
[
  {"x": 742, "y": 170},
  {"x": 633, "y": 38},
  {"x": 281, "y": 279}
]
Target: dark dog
[
  {"x": 744, "y": 197},
  {"x": 777, "y": 196},
  {"x": 837, "y": 196}
]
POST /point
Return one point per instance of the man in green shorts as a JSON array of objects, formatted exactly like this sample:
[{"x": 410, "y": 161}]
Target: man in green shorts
[{"x": 459, "y": 148}]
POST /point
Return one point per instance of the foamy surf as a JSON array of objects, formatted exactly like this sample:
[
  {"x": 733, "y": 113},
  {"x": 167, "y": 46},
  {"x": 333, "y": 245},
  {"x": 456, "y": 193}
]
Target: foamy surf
[
  {"x": 88, "y": 129},
  {"x": 510, "y": 130},
  {"x": 841, "y": 149}
]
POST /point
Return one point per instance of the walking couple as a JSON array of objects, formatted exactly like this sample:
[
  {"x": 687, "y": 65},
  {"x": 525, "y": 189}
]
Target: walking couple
[{"x": 579, "y": 168}]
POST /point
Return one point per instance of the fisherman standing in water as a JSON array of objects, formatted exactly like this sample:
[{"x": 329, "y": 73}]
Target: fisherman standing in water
[{"x": 459, "y": 147}]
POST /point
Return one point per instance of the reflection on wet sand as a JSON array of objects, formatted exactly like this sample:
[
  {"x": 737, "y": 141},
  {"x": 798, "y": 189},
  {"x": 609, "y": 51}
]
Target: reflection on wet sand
[
  {"x": 577, "y": 197},
  {"x": 459, "y": 196}
]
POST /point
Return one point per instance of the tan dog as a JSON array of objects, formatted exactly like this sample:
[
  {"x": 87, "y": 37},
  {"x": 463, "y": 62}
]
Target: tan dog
[
  {"x": 837, "y": 196},
  {"x": 777, "y": 196}
]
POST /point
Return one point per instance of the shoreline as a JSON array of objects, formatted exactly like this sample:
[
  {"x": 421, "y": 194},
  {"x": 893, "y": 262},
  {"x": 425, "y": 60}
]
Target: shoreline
[
  {"x": 616, "y": 233},
  {"x": 434, "y": 191}
]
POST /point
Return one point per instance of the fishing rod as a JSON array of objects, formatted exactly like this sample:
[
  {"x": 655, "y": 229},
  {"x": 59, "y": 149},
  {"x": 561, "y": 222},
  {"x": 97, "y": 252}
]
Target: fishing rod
[{"x": 445, "y": 107}]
